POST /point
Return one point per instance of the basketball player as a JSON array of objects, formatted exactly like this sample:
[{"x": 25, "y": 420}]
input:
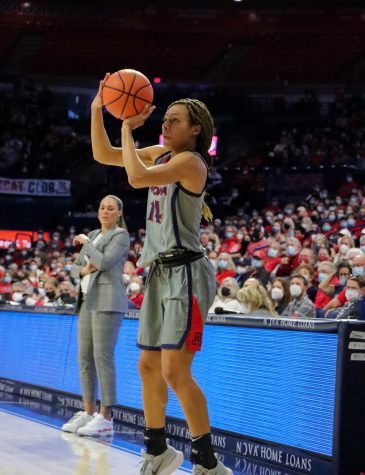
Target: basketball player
[{"x": 181, "y": 283}]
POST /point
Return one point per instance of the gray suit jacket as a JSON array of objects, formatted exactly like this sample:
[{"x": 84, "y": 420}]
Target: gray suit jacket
[{"x": 106, "y": 291}]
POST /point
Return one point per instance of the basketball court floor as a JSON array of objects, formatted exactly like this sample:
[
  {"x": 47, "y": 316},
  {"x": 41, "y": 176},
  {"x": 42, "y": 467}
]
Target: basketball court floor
[{"x": 32, "y": 443}]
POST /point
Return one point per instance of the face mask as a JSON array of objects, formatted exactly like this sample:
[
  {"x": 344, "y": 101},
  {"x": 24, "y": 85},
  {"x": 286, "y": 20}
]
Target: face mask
[
  {"x": 292, "y": 251},
  {"x": 17, "y": 296},
  {"x": 338, "y": 201},
  {"x": 343, "y": 223},
  {"x": 51, "y": 295},
  {"x": 326, "y": 227},
  {"x": 134, "y": 287},
  {"x": 344, "y": 248},
  {"x": 272, "y": 252},
  {"x": 7, "y": 279},
  {"x": 30, "y": 301},
  {"x": 351, "y": 294},
  {"x": 67, "y": 267},
  {"x": 24, "y": 252},
  {"x": 288, "y": 211},
  {"x": 225, "y": 291},
  {"x": 228, "y": 235},
  {"x": 256, "y": 263},
  {"x": 351, "y": 222},
  {"x": 358, "y": 270},
  {"x": 277, "y": 294},
  {"x": 349, "y": 179},
  {"x": 280, "y": 216},
  {"x": 295, "y": 290},
  {"x": 321, "y": 277},
  {"x": 41, "y": 292},
  {"x": 241, "y": 270},
  {"x": 320, "y": 209},
  {"x": 222, "y": 264},
  {"x": 343, "y": 280},
  {"x": 331, "y": 218},
  {"x": 33, "y": 267},
  {"x": 275, "y": 229},
  {"x": 239, "y": 236}
]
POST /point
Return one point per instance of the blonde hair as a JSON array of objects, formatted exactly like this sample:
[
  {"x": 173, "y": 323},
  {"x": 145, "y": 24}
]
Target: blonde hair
[
  {"x": 233, "y": 286},
  {"x": 256, "y": 298}
]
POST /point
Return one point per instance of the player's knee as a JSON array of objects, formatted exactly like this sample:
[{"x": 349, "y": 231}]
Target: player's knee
[
  {"x": 173, "y": 375},
  {"x": 146, "y": 368}
]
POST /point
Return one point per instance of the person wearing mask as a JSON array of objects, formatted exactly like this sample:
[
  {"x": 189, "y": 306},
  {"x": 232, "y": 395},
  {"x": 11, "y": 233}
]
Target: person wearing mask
[
  {"x": 230, "y": 244},
  {"x": 291, "y": 261},
  {"x": 327, "y": 281},
  {"x": 101, "y": 304},
  {"x": 258, "y": 240},
  {"x": 308, "y": 272},
  {"x": 273, "y": 257},
  {"x": 50, "y": 288},
  {"x": 280, "y": 295},
  {"x": 256, "y": 301},
  {"x": 225, "y": 267},
  {"x": 66, "y": 293},
  {"x": 358, "y": 269},
  {"x": 257, "y": 268},
  {"x": 344, "y": 244},
  {"x": 354, "y": 290},
  {"x": 226, "y": 297},
  {"x": 343, "y": 272},
  {"x": 299, "y": 304},
  {"x": 18, "y": 296},
  {"x": 135, "y": 293}
]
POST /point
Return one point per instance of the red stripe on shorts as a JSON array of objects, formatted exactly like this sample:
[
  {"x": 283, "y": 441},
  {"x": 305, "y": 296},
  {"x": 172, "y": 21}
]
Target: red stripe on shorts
[{"x": 195, "y": 335}]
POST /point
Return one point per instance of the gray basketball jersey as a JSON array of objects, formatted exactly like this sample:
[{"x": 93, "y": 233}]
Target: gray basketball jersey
[{"x": 173, "y": 218}]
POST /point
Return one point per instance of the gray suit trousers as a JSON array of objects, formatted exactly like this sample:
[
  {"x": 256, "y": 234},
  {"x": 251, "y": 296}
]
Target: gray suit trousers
[{"x": 97, "y": 337}]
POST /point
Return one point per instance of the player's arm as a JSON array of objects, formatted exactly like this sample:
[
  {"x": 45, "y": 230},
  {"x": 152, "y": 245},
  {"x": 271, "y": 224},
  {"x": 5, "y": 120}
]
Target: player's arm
[
  {"x": 103, "y": 151},
  {"x": 184, "y": 167}
]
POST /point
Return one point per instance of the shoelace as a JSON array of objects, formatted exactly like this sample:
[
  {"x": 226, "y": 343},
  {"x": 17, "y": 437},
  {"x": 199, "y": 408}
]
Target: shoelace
[{"x": 76, "y": 416}]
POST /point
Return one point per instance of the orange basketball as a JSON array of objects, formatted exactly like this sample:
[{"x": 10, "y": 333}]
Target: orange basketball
[{"x": 126, "y": 92}]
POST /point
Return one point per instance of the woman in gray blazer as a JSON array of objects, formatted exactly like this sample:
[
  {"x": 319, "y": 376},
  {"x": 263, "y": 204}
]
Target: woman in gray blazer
[{"x": 101, "y": 303}]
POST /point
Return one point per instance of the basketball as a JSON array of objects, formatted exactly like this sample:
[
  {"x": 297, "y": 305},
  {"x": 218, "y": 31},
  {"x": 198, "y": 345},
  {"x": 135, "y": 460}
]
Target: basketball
[{"x": 126, "y": 92}]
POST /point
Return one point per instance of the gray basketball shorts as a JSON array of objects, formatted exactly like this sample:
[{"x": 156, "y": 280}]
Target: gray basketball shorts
[{"x": 175, "y": 305}]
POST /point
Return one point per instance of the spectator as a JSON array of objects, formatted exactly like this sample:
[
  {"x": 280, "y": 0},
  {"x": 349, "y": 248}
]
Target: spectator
[
  {"x": 280, "y": 294},
  {"x": 291, "y": 262},
  {"x": 251, "y": 281},
  {"x": 135, "y": 293},
  {"x": 18, "y": 293},
  {"x": 227, "y": 297},
  {"x": 355, "y": 289},
  {"x": 255, "y": 300},
  {"x": 66, "y": 293},
  {"x": 50, "y": 288},
  {"x": 308, "y": 272},
  {"x": 299, "y": 305},
  {"x": 327, "y": 282},
  {"x": 257, "y": 268},
  {"x": 225, "y": 267}
]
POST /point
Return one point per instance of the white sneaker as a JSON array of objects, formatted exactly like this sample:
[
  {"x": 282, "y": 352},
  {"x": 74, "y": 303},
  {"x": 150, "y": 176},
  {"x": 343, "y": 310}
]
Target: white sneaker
[
  {"x": 97, "y": 426},
  {"x": 80, "y": 419}
]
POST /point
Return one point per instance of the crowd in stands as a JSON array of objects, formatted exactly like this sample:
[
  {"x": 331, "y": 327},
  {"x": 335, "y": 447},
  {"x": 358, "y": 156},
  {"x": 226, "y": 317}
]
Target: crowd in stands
[{"x": 303, "y": 259}]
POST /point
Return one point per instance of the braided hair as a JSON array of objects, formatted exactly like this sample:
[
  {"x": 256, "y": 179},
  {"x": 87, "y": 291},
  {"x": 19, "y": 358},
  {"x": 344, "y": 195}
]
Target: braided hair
[{"x": 200, "y": 115}]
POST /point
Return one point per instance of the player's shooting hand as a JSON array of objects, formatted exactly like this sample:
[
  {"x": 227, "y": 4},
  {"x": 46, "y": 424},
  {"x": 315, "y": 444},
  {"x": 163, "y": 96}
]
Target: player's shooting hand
[
  {"x": 97, "y": 103},
  {"x": 138, "y": 120}
]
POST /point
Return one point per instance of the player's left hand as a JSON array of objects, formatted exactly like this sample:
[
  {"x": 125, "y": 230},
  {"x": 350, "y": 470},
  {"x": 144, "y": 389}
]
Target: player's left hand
[
  {"x": 138, "y": 120},
  {"x": 80, "y": 239}
]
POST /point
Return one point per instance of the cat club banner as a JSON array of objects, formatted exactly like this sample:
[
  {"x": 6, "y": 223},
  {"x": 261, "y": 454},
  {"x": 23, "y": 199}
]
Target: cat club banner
[{"x": 41, "y": 187}]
